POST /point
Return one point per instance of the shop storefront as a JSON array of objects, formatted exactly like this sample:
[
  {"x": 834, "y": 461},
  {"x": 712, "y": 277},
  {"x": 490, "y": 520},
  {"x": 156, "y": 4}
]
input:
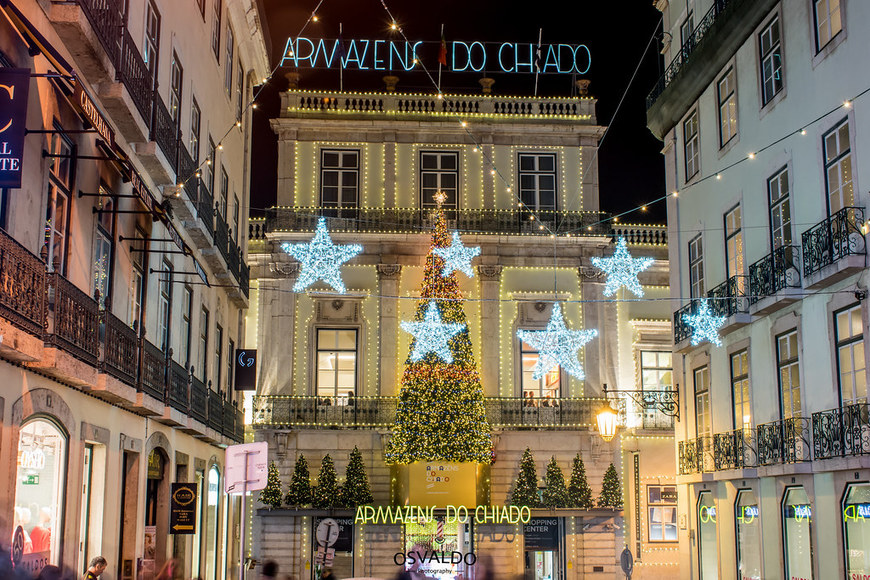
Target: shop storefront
[
  {"x": 708, "y": 551},
  {"x": 333, "y": 546},
  {"x": 449, "y": 544},
  {"x": 542, "y": 542},
  {"x": 797, "y": 536},
  {"x": 856, "y": 530},
  {"x": 748, "y": 529}
]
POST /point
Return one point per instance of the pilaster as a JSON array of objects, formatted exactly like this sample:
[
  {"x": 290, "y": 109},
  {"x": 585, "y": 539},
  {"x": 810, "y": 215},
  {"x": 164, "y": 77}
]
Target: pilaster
[
  {"x": 601, "y": 360},
  {"x": 277, "y": 310},
  {"x": 388, "y": 288},
  {"x": 490, "y": 281}
]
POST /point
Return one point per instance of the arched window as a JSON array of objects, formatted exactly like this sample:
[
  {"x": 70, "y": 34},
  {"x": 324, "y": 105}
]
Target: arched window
[
  {"x": 39, "y": 490},
  {"x": 856, "y": 529},
  {"x": 212, "y": 535},
  {"x": 748, "y": 527},
  {"x": 708, "y": 553},
  {"x": 796, "y": 525}
]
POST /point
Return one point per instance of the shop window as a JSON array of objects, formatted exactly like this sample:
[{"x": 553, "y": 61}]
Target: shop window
[
  {"x": 39, "y": 492},
  {"x": 796, "y": 531},
  {"x": 212, "y": 535},
  {"x": 340, "y": 531},
  {"x": 542, "y": 543},
  {"x": 708, "y": 549},
  {"x": 662, "y": 505},
  {"x": 447, "y": 537},
  {"x": 856, "y": 530},
  {"x": 538, "y": 392},
  {"x": 748, "y": 530}
]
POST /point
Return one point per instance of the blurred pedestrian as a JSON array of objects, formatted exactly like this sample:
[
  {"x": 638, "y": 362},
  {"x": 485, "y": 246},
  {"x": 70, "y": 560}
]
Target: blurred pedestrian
[
  {"x": 95, "y": 568},
  {"x": 269, "y": 571}
]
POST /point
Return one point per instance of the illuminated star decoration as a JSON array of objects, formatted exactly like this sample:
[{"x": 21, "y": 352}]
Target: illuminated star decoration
[
  {"x": 431, "y": 334},
  {"x": 622, "y": 270},
  {"x": 321, "y": 259},
  {"x": 705, "y": 326},
  {"x": 557, "y": 346},
  {"x": 457, "y": 257}
]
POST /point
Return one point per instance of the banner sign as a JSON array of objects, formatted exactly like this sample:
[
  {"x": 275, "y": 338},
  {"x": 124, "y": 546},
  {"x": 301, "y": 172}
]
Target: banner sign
[
  {"x": 246, "y": 370},
  {"x": 92, "y": 114},
  {"x": 461, "y": 56},
  {"x": 182, "y": 509},
  {"x": 14, "y": 87},
  {"x": 542, "y": 533}
]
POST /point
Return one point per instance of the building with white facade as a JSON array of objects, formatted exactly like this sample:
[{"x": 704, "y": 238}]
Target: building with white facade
[
  {"x": 762, "y": 111},
  {"x": 123, "y": 279},
  {"x": 331, "y": 364}
]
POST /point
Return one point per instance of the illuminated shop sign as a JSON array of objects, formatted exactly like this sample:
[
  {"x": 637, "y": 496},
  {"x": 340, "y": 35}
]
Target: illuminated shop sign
[
  {"x": 461, "y": 56},
  {"x": 482, "y": 514},
  {"x": 93, "y": 115},
  {"x": 856, "y": 512},
  {"x": 747, "y": 514},
  {"x": 798, "y": 512},
  {"x": 14, "y": 86},
  {"x": 707, "y": 514}
]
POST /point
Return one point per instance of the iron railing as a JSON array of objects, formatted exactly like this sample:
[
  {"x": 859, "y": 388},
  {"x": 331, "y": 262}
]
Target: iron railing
[
  {"x": 729, "y": 297},
  {"x": 689, "y": 45},
  {"x": 734, "y": 449},
  {"x": 239, "y": 435},
  {"x": 132, "y": 71},
  {"x": 776, "y": 271},
  {"x": 22, "y": 286},
  {"x": 186, "y": 172},
  {"x": 177, "y": 394},
  {"x": 205, "y": 208},
  {"x": 228, "y": 428},
  {"x": 233, "y": 258},
  {"x": 215, "y": 410},
  {"x": 74, "y": 320},
  {"x": 120, "y": 349},
  {"x": 647, "y": 408},
  {"x": 152, "y": 370},
  {"x": 198, "y": 399},
  {"x": 164, "y": 131},
  {"x": 244, "y": 278},
  {"x": 695, "y": 455},
  {"x": 682, "y": 330},
  {"x": 221, "y": 235},
  {"x": 784, "y": 441},
  {"x": 842, "y": 432},
  {"x": 107, "y": 20},
  {"x": 833, "y": 239}
]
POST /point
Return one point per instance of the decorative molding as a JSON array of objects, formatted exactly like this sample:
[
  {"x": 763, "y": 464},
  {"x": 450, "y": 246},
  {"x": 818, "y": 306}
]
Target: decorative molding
[
  {"x": 389, "y": 270},
  {"x": 490, "y": 271},
  {"x": 284, "y": 269},
  {"x": 590, "y": 272}
]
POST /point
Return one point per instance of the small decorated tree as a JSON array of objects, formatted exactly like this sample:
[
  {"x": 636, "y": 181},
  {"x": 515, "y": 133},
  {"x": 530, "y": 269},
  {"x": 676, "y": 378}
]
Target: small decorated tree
[
  {"x": 326, "y": 492},
  {"x": 611, "y": 496},
  {"x": 579, "y": 490},
  {"x": 525, "y": 491},
  {"x": 356, "y": 490},
  {"x": 555, "y": 492},
  {"x": 299, "y": 493},
  {"x": 271, "y": 494}
]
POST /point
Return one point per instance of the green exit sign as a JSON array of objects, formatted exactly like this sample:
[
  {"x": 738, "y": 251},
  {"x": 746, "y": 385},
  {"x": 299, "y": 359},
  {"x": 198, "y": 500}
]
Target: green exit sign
[{"x": 31, "y": 480}]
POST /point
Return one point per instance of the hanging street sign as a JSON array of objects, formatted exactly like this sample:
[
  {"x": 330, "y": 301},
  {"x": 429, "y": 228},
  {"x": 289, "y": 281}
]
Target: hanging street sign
[
  {"x": 182, "y": 509},
  {"x": 14, "y": 86},
  {"x": 246, "y": 369}
]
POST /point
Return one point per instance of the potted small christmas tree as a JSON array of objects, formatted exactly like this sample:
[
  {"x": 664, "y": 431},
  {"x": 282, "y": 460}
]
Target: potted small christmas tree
[
  {"x": 356, "y": 490},
  {"x": 579, "y": 490},
  {"x": 611, "y": 496},
  {"x": 326, "y": 492},
  {"x": 525, "y": 491},
  {"x": 271, "y": 494},
  {"x": 555, "y": 492},
  {"x": 299, "y": 493}
]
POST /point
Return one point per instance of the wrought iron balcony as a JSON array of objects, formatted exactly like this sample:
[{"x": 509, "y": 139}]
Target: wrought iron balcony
[
  {"x": 120, "y": 349},
  {"x": 308, "y": 411},
  {"x": 198, "y": 400},
  {"x": 152, "y": 371},
  {"x": 842, "y": 432},
  {"x": 22, "y": 286},
  {"x": 734, "y": 449},
  {"x": 696, "y": 455},
  {"x": 784, "y": 441},
  {"x": 74, "y": 320},
  {"x": 833, "y": 239},
  {"x": 729, "y": 297},
  {"x": 221, "y": 235},
  {"x": 647, "y": 409},
  {"x": 177, "y": 393},
  {"x": 682, "y": 331},
  {"x": 215, "y": 411},
  {"x": 205, "y": 208},
  {"x": 776, "y": 271}
]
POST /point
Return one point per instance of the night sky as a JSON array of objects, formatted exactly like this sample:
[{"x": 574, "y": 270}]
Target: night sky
[{"x": 631, "y": 167}]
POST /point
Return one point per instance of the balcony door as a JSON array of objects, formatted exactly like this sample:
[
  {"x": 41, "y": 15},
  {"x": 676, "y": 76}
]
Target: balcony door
[{"x": 703, "y": 420}]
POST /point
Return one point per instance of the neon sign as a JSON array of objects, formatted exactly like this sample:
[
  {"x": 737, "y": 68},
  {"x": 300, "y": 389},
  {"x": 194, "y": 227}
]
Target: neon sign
[
  {"x": 476, "y": 56},
  {"x": 747, "y": 514},
  {"x": 481, "y": 514},
  {"x": 799, "y": 512},
  {"x": 707, "y": 514},
  {"x": 856, "y": 512}
]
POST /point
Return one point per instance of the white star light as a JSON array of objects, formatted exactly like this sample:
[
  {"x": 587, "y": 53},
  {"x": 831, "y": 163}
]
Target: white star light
[
  {"x": 321, "y": 259},
  {"x": 705, "y": 325},
  {"x": 431, "y": 334},
  {"x": 457, "y": 257},
  {"x": 622, "y": 269},
  {"x": 557, "y": 346}
]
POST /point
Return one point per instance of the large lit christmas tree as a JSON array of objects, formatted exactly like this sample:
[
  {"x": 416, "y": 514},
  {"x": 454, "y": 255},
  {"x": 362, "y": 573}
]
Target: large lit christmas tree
[{"x": 440, "y": 414}]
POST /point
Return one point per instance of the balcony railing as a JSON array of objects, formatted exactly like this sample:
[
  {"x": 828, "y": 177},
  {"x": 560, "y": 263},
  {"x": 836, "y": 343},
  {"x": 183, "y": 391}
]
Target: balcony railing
[
  {"x": 637, "y": 234},
  {"x": 682, "y": 330},
  {"x": 107, "y": 21},
  {"x": 833, "y": 239},
  {"x": 205, "y": 208},
  {"x": 734, "y": 449},
  {"x": 229, "y": 420},
  {"x": 239, "y": 435},
  {"x": 729, "y": 297},
  {"x": 152, "y": 371},
  {"x": 784, "y": 441},
  {"x": 842, "y": 432},
  {"x": 198, "y": 400},
  {"x": 22, "y": 286},
  {"x": 245, "y": 278},
  {"x": 775, "y": 272},
  {"x": 177, "y": 393},
  {"x": 233, "y": 258},
  {"x": 695, "y": 455},
  {"x": 134, "y": 74},
  {"x": 187, "y": 172},
  {"x": 380, "y": 412},
  {"x": 120, "y": 349},
  {"x": 221, "y": 235},
  {"x": 215, "y": 411},
  {"x": 164, "y": 131},
  {"x": 689, "y": 46},
  {"x": 74, "y": 320}
]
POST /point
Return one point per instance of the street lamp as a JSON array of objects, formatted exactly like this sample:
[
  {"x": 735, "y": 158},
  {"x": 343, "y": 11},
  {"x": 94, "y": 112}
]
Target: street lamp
[
  {"x": 607, "y": 419},
  {"x": 666, "y": 402}
]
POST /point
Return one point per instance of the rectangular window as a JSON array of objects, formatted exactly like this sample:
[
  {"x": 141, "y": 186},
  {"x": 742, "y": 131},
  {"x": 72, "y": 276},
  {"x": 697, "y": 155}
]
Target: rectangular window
[
  {"x": 686, "y": 29},
  {"x": 770, "y": 49},
  {"x": 203, "y": 344},
  {"x": 209, "y": 165},
  {"x": 829, "y": 21},
  {"x": 228, "y": 63},
  {"x": 439, "y": 172},
  {"x": 137, "y": 286},
  {"x": 696, "y": 267},
  {"x": 231, "y": 353},
  {"x": 339, "y": 179},
  {"x": 850, "y": 355},
  {"x": 537, "y": 177},
  {"x": 740, "y": 389},
  {"x": 692, "y": 145},
  {"x": 656, "y": 370},
  {"x": 734, "y": 243},
  {"x": 164, "y": 307},
  {"x": 703, "y": 420},
  {"x": 216, "y": 31},
  {"x": 547, "y": 387},
  {"x": 727, "y": 108},
  {"x": 176, "y": 82},
  {"x": 662, "y": 505},
  {"x": 225, "y": 191},
  {"x": 780, "y": 209},
  {"x": 195, "y": 126},
  {"x": 235, "y": 224},
  {"x": 218, "y": 355},
  {"x": 150, "y": 54},
  {"x": 102, "y": 259},
  {"x": 240, "y": 89},
  {"x": 788, "y": 365},
  {"x": 57, "y": 210},
  {"x": 336, "y": 362},
  {"x": 186, "y": 314},
  {"x": 838, "y": 168}
]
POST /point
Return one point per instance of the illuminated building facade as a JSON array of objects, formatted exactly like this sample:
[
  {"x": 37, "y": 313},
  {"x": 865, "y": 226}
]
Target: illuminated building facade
[
  {"x": 763, "y": 148},
  {"x": 116, "y": 357},
  {"x": 331, "y": 364}
]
